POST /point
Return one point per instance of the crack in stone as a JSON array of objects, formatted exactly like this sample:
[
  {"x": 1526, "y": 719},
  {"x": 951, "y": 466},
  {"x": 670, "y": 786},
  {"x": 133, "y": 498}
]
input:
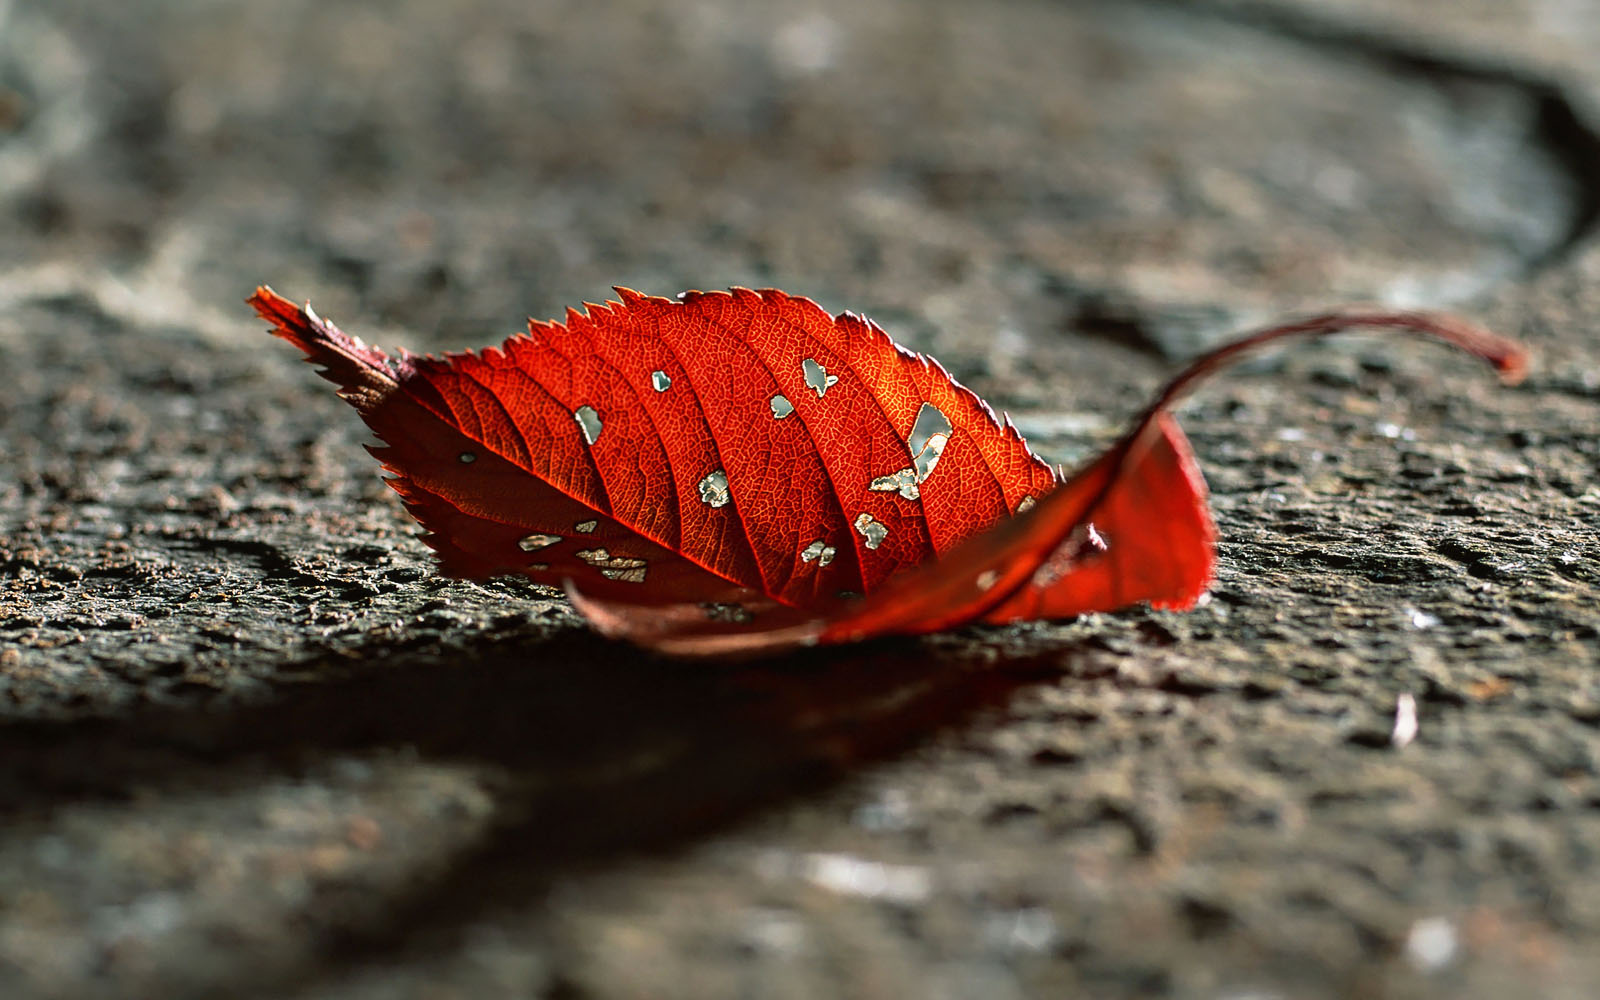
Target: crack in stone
[{"x": 1559, "y": 126}]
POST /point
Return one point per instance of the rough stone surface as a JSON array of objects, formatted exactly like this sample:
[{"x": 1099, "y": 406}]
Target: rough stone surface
[{"x": 255, "y": 747}]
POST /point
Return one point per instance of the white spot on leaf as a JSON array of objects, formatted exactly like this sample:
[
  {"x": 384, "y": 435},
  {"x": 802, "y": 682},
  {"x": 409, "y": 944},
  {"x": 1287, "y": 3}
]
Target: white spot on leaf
[
  {"x": 714, "y": 489},
  {"x": 466, "y": 458},
  {"x": 930, "y": 432},
  {"x": 1083, "y": 544},
  {"x": 626, "y": 570},
  {"x": 726, "y": 613},
  {"x": 928, "y": 457},
  {"x": 817, "y": 377},
  {"x": 1093, "y": 539},
  {"x": 988, "y": 578},
  {"x": 660, "y": 381},
  {"x": 585, "y": 527},
  {"x": 781, "y": 407},
  {"x": 533, "y": 543},
  {"x": 1026, "y": 505},
  {"x": 611, "y": 567},
  {"x": 819, "y": 552},
  {"x": 871, "y": 529},
  {"x": 904, "y": 481},
  {"x": 589, "y": 422}
]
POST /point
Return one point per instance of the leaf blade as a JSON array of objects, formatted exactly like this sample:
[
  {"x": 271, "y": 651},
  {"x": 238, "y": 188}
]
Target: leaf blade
[{"x": 801, "y": 451}]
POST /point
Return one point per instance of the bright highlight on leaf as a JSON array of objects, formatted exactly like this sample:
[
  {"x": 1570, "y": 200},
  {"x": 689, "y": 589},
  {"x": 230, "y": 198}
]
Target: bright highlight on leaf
[{"x": 805, "y": 480}]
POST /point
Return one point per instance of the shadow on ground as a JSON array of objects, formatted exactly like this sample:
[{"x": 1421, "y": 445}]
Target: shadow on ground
[{"x": 601, "y": 751}]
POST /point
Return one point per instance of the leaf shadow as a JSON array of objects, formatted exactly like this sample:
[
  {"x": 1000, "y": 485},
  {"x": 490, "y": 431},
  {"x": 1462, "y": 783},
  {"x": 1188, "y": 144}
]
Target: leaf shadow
[{"x": 604, "y": 752}]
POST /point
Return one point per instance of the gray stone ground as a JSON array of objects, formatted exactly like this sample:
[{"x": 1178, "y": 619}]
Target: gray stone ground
[{"x": 254, "y": 747}]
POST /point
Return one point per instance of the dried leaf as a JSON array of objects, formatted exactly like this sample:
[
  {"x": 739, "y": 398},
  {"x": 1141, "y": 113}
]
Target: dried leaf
[{"x": 739, "y": 472}]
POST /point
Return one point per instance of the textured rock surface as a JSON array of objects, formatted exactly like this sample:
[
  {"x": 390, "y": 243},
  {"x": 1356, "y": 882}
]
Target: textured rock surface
[{"x": 254, "y": 747}]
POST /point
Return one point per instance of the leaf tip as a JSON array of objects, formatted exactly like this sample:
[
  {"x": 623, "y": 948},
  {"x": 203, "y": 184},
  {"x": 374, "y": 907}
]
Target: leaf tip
[
  {"x": 1511, "y": 365},
  {"x": 364, "y": 374},
  {"x": 272, "y": 307}
]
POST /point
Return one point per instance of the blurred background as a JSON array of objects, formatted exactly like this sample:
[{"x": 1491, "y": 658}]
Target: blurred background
[
  {"x": 1059, "y": 200},
  {"x": 966, "y": 172}
]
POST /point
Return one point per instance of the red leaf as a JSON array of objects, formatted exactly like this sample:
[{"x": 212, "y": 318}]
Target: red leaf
[{"x": 727, "y": 472}]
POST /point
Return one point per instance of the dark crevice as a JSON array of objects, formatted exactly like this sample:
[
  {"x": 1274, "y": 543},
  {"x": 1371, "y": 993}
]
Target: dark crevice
[{"x": 1563, "y": 131}]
